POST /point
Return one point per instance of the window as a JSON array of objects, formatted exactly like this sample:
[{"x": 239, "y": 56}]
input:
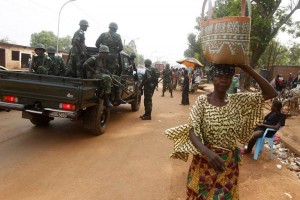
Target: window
[{"x": 15, "y": 55}]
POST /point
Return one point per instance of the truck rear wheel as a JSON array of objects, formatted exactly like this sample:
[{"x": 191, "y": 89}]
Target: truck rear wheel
[
  {"x": 135, "y": 105},
  {"x": 101, "y": 121},
  {"x": 96, "y": 118},
  {"x": 40, "y": 120}
]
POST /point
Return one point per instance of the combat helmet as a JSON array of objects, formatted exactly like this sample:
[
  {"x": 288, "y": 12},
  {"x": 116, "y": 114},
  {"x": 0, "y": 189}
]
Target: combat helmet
[
  {"x": 132, "y": 56},
  {"x": 113, "y": 25},
  {"x": 51, "y": 49},
  {"x": 103, "y": 49},
  {"x": 148, "y": 62},
  {"x": 40, "y": 46},
  {"x": 84, "y": 22}
]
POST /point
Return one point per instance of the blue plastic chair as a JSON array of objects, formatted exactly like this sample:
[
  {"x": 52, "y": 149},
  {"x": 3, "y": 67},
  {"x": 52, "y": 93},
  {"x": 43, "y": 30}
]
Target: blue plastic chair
[{"x": 259, "y": 145}]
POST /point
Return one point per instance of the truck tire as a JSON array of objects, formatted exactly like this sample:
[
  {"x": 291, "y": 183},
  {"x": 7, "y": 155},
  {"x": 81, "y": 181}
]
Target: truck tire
[
  {"x": 96, "y": 118},
  {"x": 102, "y": 119},
  {"x": 40, "y": 120},
  {"x": 135, "y": 105}
]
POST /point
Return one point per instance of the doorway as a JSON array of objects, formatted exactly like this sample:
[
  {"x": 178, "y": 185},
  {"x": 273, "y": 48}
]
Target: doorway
[{"x": 2, "y": 57}]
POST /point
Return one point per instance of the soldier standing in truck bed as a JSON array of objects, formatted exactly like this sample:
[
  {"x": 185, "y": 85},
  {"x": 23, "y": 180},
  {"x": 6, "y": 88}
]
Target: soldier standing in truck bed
[
  {"x": 113, "y": 40},
  {"x": 78, "y": 52},
  {"x": 41, "y": 63},
  {"x": 58, "y": 66}
]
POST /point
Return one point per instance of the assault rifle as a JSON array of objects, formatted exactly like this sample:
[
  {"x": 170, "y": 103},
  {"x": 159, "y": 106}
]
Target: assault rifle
[{"x": 114, "y": 80}]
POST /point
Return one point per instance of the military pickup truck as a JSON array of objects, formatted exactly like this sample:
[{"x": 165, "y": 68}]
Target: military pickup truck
[{"x": 41, "y": 98}]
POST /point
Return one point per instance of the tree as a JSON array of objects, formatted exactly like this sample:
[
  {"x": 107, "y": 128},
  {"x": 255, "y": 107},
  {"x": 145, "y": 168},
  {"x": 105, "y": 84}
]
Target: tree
[
  {"x": 48, "y": 38},
  {"x": 268, "y": 18},
  {"x": 295, "y": 54},
  {"x": 4, "y": 40},
  {"x": 131, "y": 48}
]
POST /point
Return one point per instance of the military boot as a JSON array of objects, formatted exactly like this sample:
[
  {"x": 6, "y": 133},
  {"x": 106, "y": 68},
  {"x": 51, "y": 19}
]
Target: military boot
[
  {"x": 118, "y": 96},
  {"x": 147, "y": 116},
  {"x": 171, "y": 94},
  {"x": 163, "y": 94},
  {"x": 107, "y": 102}
]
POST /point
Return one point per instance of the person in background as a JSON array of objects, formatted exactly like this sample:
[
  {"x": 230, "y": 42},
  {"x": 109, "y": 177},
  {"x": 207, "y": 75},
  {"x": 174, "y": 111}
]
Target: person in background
[
  {"x": 185, "y": 89},
  {"x": 290, "y": 81},
  {"x": 167, "y": 80},
  {"x": 234, "y": 85},
  {"x": 278, "y": 83},
  {"x": 296, "y": 81},
  {"x": 216, "y": 122},
  {"x": 274, "y": 120}
]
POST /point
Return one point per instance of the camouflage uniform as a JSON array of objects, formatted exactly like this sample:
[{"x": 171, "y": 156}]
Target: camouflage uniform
[
  {"x": 98, "y": 65},
  {"x": 167, "y": 81},
  {"x": 57, "y": 66},
  {"x": 74, "y": 68},
  {"x": 114, "y": 43},
  {"x": 41, "y": 64},
  {"x": 149, "y": 82}
]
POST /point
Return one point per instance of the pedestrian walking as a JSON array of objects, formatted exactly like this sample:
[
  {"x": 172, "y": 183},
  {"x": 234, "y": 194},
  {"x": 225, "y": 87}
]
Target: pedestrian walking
[{"x": 216, "y": 122}]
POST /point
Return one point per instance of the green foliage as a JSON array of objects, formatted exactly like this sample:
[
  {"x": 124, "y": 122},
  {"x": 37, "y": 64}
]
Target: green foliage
[
  {"x": 5, "y": 40},
  {"x": 48, "y": 38},
  {"x": 131, "y": 48},
  {"x": 295, "y": 54}
]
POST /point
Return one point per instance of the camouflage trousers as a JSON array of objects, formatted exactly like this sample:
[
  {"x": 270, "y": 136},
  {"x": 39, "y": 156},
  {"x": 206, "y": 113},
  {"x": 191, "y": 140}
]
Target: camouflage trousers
[
  {"x": 167, "y": 83},
  {"x": 74, "y": 68},
  {"x": 106, "y": 82},
  {"x": 148, "y": 93}
]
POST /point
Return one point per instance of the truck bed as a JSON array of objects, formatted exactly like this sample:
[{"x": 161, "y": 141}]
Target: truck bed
[{"x": 49, "y": 91}]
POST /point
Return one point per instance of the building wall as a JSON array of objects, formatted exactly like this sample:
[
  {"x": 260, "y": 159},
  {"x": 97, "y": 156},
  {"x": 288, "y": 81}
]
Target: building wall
[
  {"x": 285, "y": 70},
  {"x": 19, "y": 52},
  {"x": 24, "y": 53}
]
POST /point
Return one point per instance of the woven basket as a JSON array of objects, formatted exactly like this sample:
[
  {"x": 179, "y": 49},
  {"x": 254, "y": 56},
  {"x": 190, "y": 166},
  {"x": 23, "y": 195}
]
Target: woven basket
[{"x": 226, "y": 40}]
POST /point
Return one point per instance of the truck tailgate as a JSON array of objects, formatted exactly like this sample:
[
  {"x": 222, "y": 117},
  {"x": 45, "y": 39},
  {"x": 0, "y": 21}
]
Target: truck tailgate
[{"x": 48, "y": 90}]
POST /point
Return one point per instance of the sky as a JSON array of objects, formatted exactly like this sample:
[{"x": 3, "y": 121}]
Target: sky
[{"x": 159, "y": 27}]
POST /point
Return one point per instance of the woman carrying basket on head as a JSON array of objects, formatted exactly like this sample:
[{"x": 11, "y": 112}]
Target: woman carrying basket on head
[{"x": 216, "y": 122}]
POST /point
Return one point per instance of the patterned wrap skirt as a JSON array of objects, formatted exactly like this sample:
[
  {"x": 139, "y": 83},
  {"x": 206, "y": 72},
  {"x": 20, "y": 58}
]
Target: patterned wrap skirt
[{"x": 203, "y": 182}]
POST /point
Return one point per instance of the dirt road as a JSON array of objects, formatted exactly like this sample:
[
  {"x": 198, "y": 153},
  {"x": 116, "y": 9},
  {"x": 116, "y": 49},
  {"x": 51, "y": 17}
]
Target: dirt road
[{"x": 130, "y": 161}]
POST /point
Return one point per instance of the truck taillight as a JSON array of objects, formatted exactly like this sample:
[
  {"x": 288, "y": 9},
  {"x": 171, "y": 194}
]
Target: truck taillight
[
  {"x": 10, "y": 99},
  {"x": 67, "y": 106}
]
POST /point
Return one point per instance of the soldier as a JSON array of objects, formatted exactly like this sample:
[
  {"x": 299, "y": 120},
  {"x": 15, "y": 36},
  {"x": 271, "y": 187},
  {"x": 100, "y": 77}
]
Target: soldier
[
  {"x": 78, "y": 52},
  {"x": 96, "y": 67},
  {"x": 149, "y": 82},
  {"x": 58, "y": 66},
  {"x": 113, "y": 40},
  {"x": 167, "y": 80},
  {"x": 41, "y": 63}
]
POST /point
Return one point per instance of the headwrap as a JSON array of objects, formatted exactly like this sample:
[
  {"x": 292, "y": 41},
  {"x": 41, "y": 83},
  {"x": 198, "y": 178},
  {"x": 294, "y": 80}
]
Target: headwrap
[{"x": 222, "y": 69}]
